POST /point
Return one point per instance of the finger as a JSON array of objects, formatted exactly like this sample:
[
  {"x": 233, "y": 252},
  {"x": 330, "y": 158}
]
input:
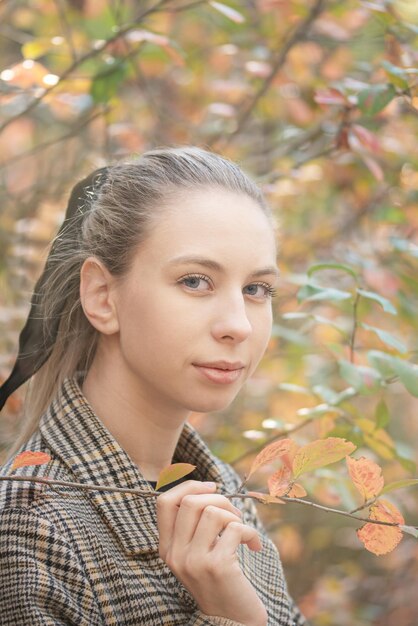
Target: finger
[
  {"x": 212, "y": 522},
  {"x": 168, "y": 504},
  {"x": 235, "y": 534},
  {"x": 192, "y": 508}
]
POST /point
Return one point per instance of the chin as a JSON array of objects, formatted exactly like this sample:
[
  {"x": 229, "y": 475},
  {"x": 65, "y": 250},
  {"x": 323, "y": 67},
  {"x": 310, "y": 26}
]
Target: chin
[{"x": 209, "y": 405}]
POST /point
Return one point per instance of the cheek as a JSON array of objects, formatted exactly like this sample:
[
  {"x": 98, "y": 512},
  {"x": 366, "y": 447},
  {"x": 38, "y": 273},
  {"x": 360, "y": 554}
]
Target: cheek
[
  {"x": 262, "y": 331},
  {"x": 149, "y": 326}
]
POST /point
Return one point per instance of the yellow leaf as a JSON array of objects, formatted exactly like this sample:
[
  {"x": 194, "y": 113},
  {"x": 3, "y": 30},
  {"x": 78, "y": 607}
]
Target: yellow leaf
[
  {"x": 366, "y": 475},
  {"x": 273, "y": 451},
  {"x": 28, "y": 458},
  {"x": 36, "y": 48},
  {"x": 382, "y": 539},
  {"x": 172, "y": 473},
  {"x": 320, "y": 453}
]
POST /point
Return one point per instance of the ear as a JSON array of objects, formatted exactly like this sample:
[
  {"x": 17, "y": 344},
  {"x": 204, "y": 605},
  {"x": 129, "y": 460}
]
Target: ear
[{"x": 96, "y": 296}]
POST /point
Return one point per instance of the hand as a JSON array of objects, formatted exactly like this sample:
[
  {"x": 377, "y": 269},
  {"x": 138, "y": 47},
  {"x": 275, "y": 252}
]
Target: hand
[{"x": 199, "y": 535}]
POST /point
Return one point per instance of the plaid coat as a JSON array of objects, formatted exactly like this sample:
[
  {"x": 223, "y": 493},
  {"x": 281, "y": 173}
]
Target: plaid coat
[{"x": 90, "y": 558}]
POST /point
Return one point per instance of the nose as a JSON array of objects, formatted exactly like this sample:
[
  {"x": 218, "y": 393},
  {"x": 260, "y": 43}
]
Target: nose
[{"x": 231, "y": 322}]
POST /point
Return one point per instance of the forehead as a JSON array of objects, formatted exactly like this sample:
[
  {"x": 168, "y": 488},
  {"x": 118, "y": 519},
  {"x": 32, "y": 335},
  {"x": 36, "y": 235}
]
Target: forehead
[{"x": 212, "y": 221}]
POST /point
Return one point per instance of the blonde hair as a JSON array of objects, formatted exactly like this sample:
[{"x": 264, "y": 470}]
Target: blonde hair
[{"x": 119, "y": 216}]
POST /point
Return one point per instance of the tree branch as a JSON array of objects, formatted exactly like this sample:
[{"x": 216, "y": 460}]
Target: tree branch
[
  {"x": 154, "y": 494},
  {"x": 76, "y": 63},
  {"x": 47, "y": 144},
  {"x": 280, "y": 57},
  {"x": 355, "y": 326}
]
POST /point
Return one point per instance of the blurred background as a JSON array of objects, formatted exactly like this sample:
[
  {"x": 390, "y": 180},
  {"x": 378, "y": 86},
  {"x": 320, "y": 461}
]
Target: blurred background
[{"x": 318, "y": 101}]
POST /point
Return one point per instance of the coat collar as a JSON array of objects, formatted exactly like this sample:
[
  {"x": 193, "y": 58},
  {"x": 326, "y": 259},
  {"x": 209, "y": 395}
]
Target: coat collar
[{"x": 81, "y": 441}]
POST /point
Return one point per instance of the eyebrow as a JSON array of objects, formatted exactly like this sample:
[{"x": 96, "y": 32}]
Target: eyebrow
[{"x": 214, "y": 265}]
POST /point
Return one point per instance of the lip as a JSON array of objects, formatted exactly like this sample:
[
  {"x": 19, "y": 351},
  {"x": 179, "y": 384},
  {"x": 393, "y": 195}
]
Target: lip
[
  {"x": 222, "y": 365},
  {"x": 220, "y": 372}
]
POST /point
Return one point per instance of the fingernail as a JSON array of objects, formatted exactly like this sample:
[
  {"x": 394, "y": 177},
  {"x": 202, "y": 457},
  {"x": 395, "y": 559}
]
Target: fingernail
[{"x": 209, "y": 484}]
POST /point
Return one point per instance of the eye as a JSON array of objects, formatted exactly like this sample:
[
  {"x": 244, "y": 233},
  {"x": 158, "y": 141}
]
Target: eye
[
  {"x": 196, "y": 282},
  {"x": 260, "y": 290}
]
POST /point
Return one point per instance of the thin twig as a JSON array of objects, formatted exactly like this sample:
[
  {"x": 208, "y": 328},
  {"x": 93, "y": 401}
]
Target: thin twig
[
  {"x": 82, "y": 59},
  {"x": 355, "y": 326},
  {"x": 66, "y": 28},
  {"x": 154, "y": 494},
  {"x": 299, "y": 34},
  {"x": 51, "y": 142}
]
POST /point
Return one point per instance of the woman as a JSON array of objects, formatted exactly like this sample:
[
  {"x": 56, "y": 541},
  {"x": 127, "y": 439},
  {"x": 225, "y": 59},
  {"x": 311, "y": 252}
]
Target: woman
[{"x": 155, "y": 302}]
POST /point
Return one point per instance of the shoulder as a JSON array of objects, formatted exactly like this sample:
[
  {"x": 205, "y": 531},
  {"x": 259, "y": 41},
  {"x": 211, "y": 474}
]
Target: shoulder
[{"x": 17, "y": 492}]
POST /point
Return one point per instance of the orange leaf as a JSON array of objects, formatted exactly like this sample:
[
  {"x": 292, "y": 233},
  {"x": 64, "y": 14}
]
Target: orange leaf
[
  {"x": 265, "y": 498},
  {"x": 173, "y": 472},
  {"x": 366, "y": 475},
  {"x": 30, "y": 458},
  {"x": 297, "y": 491},
  {"x": 382, "y": 539},
  {"x": 273, "y": 451},
  {"x": 320, "y": 453},
  {"x": 290, "y": 455},
  {"x": 278, "y": 482}
]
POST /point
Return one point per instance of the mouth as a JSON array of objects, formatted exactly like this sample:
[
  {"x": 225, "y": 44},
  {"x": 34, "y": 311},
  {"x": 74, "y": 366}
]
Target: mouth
[
  {"x": 220, "y": 372},
  {"x": 222, "y": 365}
]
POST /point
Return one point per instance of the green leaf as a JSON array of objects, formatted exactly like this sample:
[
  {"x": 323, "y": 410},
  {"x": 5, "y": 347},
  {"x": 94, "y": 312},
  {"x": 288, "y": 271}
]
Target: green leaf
[
  {"x": 397, "y": 75},
  {"x": 385, "y": 304},
  {"x": 408, "y": 373},
  {"x": 172, "y": 473},
  {"x": 294, "y": 388},
  {"x": 382, "y": 415},
  {"x": 319, "y": 319},
  {"x": 365, "y": 380},
  {"x": 290, "y": 335},
  {"x": 328, "y": 395},
  {"x": 387, "y": 338},
  {"x": 106, "y": 83},
  {"x": 295, "y": 315},
  {"x": 400, "y": 484},
  {"x": 407, "y": 464},
  {"x": 374, "y": 99},
  {"x": 411, "y": 530},
  {"x": 314, "y": 293},
  {"x": 318, "y": 410},
  {"x": 382, "y": 362},
  {"x": 332, "y": 266}
]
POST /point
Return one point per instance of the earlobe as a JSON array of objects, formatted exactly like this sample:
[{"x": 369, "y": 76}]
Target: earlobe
[{"x": 96, "y": 296}]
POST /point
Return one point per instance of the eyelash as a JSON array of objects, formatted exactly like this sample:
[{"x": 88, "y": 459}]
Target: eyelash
[{"x": 270, "y": 291}]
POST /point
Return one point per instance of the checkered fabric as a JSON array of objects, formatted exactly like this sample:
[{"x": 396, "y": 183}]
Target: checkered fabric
[{"x": 90, "y": 558}]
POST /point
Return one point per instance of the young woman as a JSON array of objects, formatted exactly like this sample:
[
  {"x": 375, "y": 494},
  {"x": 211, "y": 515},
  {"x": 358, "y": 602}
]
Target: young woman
[{"x": 155, "y": 302}]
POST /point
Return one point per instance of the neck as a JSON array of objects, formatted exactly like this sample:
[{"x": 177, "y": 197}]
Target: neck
[{"x": 145, "y": 429}]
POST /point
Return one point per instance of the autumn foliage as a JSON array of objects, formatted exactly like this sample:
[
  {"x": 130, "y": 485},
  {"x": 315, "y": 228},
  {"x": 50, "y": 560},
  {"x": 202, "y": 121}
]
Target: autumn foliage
[
  {"x": 296, "y": 460},
  {"x": 318, "y": 101}
]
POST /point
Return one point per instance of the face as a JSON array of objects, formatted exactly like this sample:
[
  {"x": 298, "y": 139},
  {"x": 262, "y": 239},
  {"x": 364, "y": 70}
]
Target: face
[{"x": 194, "y": 310}]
